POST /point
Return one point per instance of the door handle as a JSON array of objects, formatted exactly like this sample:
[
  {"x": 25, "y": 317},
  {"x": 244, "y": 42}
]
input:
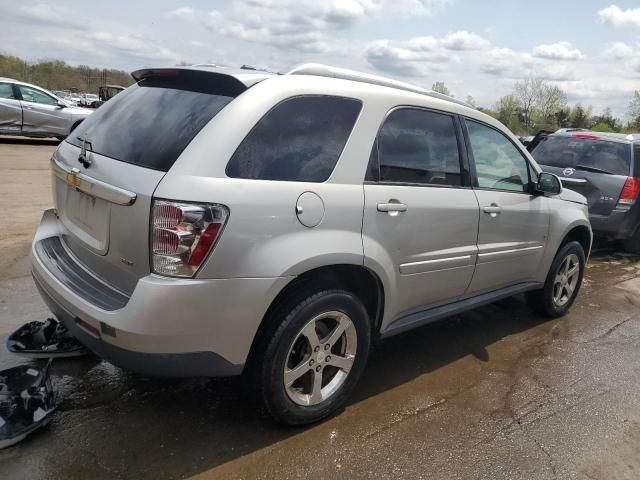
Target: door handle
[
  {"x": 28, "y": 107},
  {"x": 494, "y": 210},
  {"x": 392, "y": 207}
]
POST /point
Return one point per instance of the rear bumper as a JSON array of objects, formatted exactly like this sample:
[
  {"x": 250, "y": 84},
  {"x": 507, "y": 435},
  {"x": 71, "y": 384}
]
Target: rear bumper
[
  {"x": 619, "y": 225},
  {"x": 168, "y": 327}
]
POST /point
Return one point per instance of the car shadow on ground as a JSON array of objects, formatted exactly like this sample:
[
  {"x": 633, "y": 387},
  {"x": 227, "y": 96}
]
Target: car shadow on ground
[
  {"x": 184, "y": 427},
  {"x": 28, "y": 141}
]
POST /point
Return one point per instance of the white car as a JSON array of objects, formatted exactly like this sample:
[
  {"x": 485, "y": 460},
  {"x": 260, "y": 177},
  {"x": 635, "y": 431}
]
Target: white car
[
  {"x": 88, "y": 99},
  {"x": 73, "y": 98}
]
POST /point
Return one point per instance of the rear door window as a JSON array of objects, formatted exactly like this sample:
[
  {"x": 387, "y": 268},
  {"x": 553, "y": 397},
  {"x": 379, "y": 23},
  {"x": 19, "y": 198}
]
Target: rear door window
[
  {"x": 417, "y": 146},
  {"x": 6, "y": 90},
  {"x": 150, "y": 123},
  {"x": 299, "y": 140},
  {"x": 575, "y": 152}
]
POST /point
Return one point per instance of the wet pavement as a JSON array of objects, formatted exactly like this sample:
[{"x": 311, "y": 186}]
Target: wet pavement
[{"x": 496, "y": 393}]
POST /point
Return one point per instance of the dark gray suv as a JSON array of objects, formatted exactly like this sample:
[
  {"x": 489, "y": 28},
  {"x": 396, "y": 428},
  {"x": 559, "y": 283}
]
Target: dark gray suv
[{"x": 605, "y": 168}]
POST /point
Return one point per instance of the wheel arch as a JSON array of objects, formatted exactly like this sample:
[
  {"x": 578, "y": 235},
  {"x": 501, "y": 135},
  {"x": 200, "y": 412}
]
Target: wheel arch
[
  {"x": 357, "y": 279},
  {"x": 581, "y": 234}
]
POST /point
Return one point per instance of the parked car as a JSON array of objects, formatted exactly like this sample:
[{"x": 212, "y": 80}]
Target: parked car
[
  {"x": 89, "y": 99},
  {"x": 277, "y": 225},
  {"x": 73, "y": 98},
  {"x": 107, "y": 92},
  {"x": 32, "y": 111},
  {"x": 605, "y": 168}
]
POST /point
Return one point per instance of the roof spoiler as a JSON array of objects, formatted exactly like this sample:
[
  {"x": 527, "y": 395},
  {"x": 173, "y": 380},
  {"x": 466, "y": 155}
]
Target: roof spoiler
[{"x": 205, "y": 81}]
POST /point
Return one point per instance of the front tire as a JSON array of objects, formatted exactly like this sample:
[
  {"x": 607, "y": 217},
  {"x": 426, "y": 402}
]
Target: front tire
[
  {"x": 312, "y": 356},
  {"x": 562, "y": 284}
]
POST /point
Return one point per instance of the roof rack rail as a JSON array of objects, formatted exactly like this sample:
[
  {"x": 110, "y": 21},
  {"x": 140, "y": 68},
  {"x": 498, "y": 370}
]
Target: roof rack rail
[{"x": 320, "y": 70}]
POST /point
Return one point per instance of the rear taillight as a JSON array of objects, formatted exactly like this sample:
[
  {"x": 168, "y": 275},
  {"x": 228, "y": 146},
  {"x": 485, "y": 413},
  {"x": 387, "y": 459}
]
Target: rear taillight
[
  {"x": 183, "y": 235},
  {"x": 630, "y": 191}
]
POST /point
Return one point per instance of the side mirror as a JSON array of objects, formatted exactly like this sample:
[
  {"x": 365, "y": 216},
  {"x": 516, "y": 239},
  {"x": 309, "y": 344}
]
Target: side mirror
[
  {"x": 61, "y": 104},
  {"x": 548, "y": 183}
]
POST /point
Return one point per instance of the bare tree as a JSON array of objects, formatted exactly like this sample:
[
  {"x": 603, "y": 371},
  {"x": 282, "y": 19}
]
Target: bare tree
[
  {"x": 528, "y": 93},
  {"x": 539, "y": 100},
  {"x": 440, "y": 87},
  {"x": 550, "y": 101}
]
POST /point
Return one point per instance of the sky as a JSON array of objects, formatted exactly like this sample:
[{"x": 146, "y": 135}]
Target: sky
[{"x": 591, "y": 48}]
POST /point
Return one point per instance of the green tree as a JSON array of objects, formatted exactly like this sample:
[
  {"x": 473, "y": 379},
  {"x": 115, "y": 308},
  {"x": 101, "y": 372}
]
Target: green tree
[
  {"x": 440, "y": 87},
  {"x": 634, "y": 110},
  {"x": 58, "y": 75},
  {"x": 580, "y": 118},
  {"x": 602, "y": 127}
]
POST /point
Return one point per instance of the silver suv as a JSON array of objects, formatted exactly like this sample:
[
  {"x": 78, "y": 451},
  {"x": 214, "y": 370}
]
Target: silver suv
[
  {"x": 215, "y": 222},
  {"x": 32, "y": 111}
]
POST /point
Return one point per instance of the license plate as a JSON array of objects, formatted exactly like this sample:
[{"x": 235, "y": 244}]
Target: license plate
[{"x": 87, "y": 218}]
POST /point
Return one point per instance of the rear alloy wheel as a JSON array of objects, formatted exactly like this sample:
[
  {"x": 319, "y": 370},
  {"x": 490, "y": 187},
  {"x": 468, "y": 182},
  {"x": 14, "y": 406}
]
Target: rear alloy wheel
[
  {"x": 562, "y": 284},
  {"x": 308, "y": 362},
  {"x": 320, "y": 358}
]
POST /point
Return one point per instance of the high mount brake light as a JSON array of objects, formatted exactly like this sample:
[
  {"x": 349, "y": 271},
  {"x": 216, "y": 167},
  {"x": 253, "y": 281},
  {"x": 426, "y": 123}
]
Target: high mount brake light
[
  {"x": 183, "y": 235},
  {"x": 586, "y": 135},
  {"x": 630, "y": 191}
]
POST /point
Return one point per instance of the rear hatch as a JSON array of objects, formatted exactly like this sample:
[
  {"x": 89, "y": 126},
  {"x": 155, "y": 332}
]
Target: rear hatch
[
  {"x": 593, "y": 166},
  {"x": 106, "y": 171}
]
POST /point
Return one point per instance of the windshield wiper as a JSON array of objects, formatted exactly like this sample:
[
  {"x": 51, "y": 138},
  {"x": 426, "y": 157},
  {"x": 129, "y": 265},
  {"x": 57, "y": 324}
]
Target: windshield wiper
[{"x": 593, "y": 169}]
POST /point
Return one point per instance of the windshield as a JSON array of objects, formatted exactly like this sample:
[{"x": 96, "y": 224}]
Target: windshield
[
  {"x": 584, "y": 153},
  {"x": 150, "y": 123}
]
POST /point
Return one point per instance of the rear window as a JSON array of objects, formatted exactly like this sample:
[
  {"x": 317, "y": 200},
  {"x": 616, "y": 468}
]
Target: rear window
[
  {"x": 575, "y": 152},
  {"x": 299, "y": 140},
  {"x": 150, "y": 123}
]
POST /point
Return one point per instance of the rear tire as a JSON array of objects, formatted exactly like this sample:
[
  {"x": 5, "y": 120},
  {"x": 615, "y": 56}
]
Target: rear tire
[
  {"x": 632, "y": 245},
  {"x": 562, "y": 284},
  {"x": 310, "y": 358}
]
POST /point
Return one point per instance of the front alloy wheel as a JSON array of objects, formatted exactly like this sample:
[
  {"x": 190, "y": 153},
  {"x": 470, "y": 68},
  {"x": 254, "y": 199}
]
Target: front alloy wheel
[
  {"x": 566, "y": 280},
  {"x": 562, "y": 284}
]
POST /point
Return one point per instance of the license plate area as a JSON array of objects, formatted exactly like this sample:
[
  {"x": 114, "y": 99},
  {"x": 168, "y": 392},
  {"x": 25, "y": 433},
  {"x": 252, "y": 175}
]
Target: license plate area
[{"x": 87, "y": 218}]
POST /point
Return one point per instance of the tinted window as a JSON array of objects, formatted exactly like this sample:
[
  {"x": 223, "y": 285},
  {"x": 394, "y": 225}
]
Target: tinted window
[
  {"x": 300, "y": 140},
  {"x": 499, "y": 164},
  {"x": 419, "y": 146},
  {"x": 573, "y": 152},
  {"x": 36, "y": 96},
  {"x": 150, "y": 123},
  {"x": 6, "y": 90}
]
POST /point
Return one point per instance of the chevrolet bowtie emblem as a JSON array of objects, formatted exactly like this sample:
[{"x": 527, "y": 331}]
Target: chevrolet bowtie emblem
[{"x": 73, "y": 179}]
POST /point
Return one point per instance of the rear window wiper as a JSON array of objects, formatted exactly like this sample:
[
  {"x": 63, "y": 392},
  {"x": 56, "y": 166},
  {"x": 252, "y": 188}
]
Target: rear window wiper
[{"x": 593, "y": 169}]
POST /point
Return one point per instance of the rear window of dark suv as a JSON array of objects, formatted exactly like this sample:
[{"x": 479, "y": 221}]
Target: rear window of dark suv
[
  {"x": 150, "y": 123},
  {"x": 584, "y": 152}
]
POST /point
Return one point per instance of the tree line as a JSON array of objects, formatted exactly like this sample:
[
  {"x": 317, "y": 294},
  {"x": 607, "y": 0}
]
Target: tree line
[
  {"x": 535, "y": 104},
  {"x": 58, "y": 75}
]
